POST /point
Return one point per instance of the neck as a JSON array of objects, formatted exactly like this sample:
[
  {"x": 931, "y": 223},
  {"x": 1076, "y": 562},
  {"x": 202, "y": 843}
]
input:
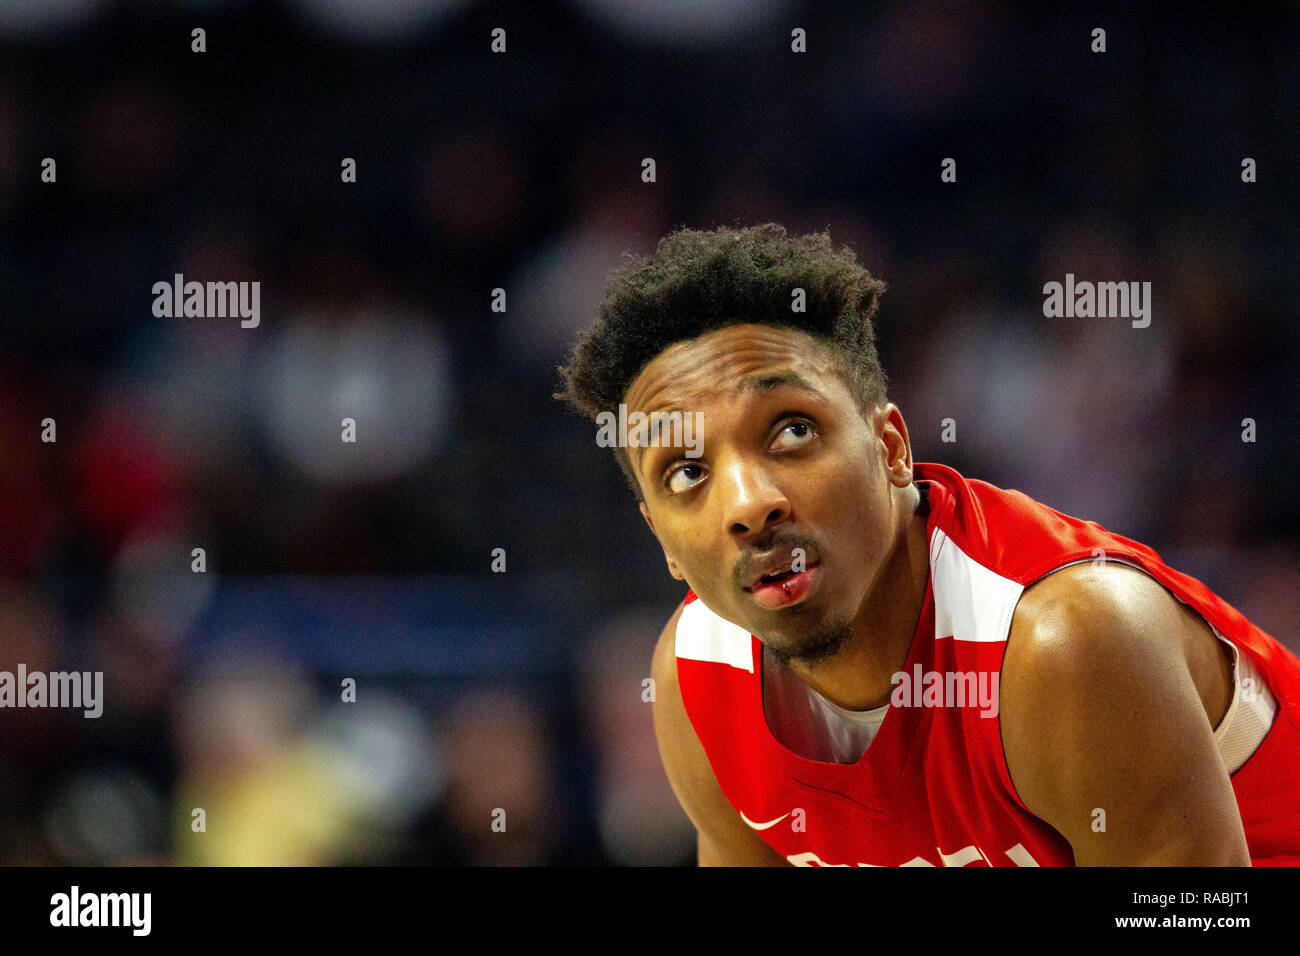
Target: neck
[{"x": 860, "y": 676}]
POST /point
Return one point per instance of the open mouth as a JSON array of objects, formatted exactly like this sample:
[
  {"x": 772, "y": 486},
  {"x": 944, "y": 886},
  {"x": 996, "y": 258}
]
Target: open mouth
[
  {"x": 784, "y": 588},
  {"x": 778, "y": 575}
]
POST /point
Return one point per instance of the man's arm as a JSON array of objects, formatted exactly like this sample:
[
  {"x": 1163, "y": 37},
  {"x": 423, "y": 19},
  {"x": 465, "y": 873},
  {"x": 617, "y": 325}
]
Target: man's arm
[
  {"x": 724, "y": 839},
  {"x": 1099, "y": 712}
]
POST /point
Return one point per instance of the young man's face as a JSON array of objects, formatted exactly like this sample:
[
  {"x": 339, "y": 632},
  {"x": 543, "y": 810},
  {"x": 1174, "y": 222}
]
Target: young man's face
[{"x": 786, "y": 461}]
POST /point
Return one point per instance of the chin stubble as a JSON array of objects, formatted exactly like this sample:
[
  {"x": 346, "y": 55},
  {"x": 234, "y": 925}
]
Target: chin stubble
[{"x": 814, "y": 646}]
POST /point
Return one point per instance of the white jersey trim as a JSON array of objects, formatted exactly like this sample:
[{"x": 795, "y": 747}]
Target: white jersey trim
[
  {"x": 971, "y": 602},
  {"x": 705, "y": 636}
]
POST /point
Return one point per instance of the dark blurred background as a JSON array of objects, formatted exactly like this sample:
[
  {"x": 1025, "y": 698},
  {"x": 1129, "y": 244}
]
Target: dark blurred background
[{"x": 372, "y": 561}]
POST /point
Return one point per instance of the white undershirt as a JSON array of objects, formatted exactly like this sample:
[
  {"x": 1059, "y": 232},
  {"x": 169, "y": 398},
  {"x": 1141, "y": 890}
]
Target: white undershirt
[
  {"x": 809, "y": 724},
  {"x": 1250, "y": 715}
]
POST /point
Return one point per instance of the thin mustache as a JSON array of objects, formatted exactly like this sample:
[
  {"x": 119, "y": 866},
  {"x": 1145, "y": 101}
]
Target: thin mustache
[{"x": 743, "y": 570}]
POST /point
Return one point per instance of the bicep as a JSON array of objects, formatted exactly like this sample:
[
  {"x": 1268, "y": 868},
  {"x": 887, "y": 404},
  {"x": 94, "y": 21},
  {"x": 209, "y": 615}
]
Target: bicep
[
  {"x": 723, "y": 838},
  {"x": 1107, "y": 740}
]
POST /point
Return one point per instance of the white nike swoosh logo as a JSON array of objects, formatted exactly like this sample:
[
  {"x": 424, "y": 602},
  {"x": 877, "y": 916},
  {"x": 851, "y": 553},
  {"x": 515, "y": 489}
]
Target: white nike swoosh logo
[{"x": 764, "y": 826}]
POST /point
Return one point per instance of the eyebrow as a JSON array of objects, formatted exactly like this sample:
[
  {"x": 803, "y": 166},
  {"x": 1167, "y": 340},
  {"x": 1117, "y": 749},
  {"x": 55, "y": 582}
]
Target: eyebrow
[
  {"x": 766, "y": 383},
  {"x": 755, "y": 383}
]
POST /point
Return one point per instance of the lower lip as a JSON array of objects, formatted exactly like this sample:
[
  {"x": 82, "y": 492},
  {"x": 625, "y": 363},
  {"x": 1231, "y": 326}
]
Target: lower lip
[{"x": 787, "y": 591}]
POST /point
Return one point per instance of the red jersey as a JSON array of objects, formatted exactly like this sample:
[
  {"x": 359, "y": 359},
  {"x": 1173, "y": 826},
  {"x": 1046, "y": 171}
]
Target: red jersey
[{"x": 933, "y": 788}]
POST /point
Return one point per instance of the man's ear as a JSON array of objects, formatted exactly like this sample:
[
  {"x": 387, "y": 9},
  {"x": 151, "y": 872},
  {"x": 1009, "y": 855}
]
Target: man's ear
[
  {"x": 672, "y": 565},
  {"x": 897, "y": 446}
]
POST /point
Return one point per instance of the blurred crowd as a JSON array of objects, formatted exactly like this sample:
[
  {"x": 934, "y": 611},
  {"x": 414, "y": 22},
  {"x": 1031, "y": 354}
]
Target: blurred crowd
[{"x": 500, "y": 716}]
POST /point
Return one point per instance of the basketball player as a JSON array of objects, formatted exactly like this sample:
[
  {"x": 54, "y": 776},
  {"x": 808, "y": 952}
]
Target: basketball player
[{"x": 881, "y": 662}]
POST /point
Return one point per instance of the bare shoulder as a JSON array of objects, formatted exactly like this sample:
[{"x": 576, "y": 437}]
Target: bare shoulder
[
  {"x": 1100, "y": 708},
  {"x": 1083, "y": 629},
  {"x": 663, "y": 667},
  {"x": 1109, "y": 588},
  {"x": 1096, "y": 631},
  {"x": 1111, "y": 611}
]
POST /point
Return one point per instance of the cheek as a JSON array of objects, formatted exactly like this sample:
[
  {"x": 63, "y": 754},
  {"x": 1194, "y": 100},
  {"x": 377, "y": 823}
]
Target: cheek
[
  {"x": 850, "y": 487},
  {"x": 707, "y": 573},
  {"x": 693, "y": 560},
  {"x": 859, "y": 506}
]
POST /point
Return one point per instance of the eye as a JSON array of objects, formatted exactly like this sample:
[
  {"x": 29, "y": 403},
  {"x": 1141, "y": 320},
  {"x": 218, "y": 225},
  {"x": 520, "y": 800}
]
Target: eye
[
  {"x": 796, "y": 434},
  {"x": 692, "y": 475}
]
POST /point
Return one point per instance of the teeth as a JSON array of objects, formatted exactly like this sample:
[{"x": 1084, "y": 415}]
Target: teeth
[{"x": 787, "y": 568}]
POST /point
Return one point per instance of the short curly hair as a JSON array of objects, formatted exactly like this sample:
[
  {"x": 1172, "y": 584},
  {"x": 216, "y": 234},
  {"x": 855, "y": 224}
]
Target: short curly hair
[{"x": 698, "y": 281}]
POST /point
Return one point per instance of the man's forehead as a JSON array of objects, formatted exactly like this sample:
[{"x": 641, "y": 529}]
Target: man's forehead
[{"x": 731, "y": 362}]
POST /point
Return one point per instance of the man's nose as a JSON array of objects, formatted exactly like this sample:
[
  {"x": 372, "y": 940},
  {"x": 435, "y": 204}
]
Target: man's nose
[{"x": 754, "y": 502}]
